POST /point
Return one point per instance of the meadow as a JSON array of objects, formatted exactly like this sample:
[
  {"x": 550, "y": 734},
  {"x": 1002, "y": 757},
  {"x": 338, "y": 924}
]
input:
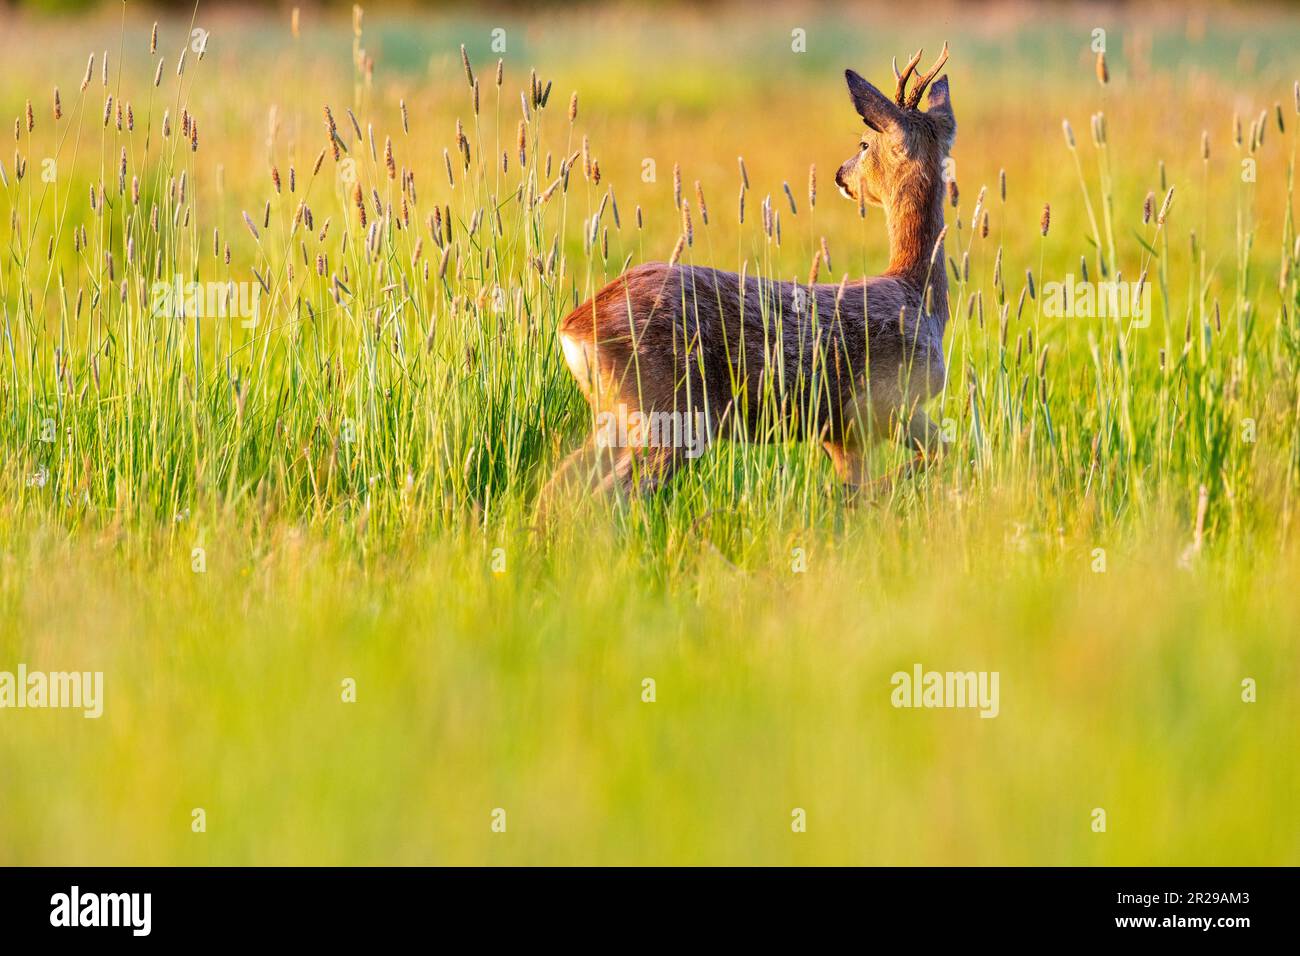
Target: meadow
[{"x": 293, "y": 520}]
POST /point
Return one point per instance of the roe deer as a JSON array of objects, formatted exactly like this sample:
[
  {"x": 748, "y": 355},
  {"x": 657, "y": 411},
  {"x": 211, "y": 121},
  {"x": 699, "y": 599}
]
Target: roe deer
[{"x": 752, "y": 358}]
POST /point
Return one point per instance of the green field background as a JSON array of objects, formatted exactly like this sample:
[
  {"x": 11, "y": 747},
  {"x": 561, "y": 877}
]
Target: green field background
[{"x": 1112, "y": 531}]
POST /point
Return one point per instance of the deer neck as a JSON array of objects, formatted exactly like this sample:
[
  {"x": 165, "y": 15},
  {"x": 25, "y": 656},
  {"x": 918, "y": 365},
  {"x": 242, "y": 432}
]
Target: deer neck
[{"x": 914, "y": 218}]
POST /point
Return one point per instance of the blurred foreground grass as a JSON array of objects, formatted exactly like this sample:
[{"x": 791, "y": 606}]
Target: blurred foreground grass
[{"x": 523, "y": 691}]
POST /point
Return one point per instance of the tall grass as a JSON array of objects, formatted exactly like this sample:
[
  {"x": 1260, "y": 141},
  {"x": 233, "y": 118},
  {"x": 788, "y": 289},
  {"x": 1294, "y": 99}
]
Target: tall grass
[{"x": 231, "y": 514}]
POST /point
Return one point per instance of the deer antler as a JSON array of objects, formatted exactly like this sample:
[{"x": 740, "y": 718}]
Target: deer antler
[
  {"x": 914, "y": 97},
  {"x": 901, "y": 78}
]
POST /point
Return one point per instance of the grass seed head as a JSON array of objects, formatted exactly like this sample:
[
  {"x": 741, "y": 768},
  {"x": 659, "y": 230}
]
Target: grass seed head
[
  {"x": 1164, "y": 207},
  {"x": 469, "y": 70},
  {"x": 677, "y": 251}
]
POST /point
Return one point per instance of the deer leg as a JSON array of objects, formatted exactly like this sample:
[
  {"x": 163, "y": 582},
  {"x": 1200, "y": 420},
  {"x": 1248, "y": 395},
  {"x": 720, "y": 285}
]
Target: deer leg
[
  {"x": 848, "y": 462},
  {"x": 659, "y": 442},
  {"x": 923, "y": 436},
  {"x": 639, "y": 467},
  {"x": 641, "y": 471},
  {"x": 643, "y": 468},
  {"x": 582, "y": 470}
]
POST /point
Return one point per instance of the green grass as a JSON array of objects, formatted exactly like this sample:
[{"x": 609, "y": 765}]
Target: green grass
[{"x": 349, "y": 467}]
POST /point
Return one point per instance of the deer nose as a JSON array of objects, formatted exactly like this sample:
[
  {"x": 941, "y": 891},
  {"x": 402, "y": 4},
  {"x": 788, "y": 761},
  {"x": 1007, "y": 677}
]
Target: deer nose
[{"x": 839, "y": 181}]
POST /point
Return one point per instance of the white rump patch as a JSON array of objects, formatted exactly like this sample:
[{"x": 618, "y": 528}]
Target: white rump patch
[{"x": 576, "y": 357}]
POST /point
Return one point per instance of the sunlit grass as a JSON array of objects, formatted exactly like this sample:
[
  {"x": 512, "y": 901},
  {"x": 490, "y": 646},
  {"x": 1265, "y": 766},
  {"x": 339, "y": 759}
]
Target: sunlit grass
[{"x": 354, "y": 473}]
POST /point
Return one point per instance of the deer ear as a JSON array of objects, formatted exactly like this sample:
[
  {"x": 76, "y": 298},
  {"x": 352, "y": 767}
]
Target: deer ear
[
  {"x": 875, "y": 108},
  {"x": 938, "y": 104},
  {"x": 938, "y": 100}
]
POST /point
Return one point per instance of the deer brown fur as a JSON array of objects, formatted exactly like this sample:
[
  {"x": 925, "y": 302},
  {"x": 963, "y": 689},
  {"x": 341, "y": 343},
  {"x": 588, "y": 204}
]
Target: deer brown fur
[{"x": 757, "y": 359}]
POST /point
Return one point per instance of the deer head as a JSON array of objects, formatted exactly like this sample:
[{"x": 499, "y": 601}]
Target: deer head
[{"x": 901, "y": 153}]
